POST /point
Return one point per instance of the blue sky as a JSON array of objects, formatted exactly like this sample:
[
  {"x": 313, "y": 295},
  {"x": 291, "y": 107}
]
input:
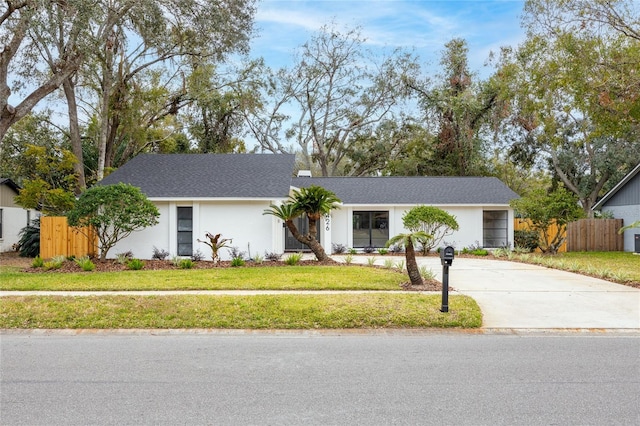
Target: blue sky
[{"x": 423, "y": 26}]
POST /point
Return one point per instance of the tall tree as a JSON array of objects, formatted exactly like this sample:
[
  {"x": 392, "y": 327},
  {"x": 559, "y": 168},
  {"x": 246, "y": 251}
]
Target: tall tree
[
  {"x": 461, "y": 109},
  {"x": 339, "y": 90},
  {"x": 20, "y": 22},
  {"x": 574, "y": 98}
]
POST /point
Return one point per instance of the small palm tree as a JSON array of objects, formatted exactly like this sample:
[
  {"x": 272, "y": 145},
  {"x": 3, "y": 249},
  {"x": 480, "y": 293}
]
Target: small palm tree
[
  {"x": 410, "y": 241},
  {"x": 313, "y": 201}
]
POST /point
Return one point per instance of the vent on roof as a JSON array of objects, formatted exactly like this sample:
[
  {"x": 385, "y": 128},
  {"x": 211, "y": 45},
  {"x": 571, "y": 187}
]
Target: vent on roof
[{"x": 304, "y": 173}]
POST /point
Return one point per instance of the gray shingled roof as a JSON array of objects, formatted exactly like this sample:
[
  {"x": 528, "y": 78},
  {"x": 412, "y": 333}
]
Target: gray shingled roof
[
  {"x": 207, "y": 175},
  {"x": 413, "y": 190}
]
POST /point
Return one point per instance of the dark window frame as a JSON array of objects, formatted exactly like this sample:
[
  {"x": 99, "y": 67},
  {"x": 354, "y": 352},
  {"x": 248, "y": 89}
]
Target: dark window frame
[
  {"x": 495, "y": 236},
  {"x": 371, "y": 219},
  {"x": 184, "y": 230}
]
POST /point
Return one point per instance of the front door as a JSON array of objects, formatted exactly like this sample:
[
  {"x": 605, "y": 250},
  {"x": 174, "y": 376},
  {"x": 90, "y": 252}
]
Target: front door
[{"x": 290, "y": 243}]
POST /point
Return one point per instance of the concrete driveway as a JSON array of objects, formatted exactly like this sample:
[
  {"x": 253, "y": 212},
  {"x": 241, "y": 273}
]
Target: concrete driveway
[{"x": 520, "y": 296}]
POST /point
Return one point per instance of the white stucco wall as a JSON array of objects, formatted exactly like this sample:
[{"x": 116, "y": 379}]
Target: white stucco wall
[
  {"x": 13, "y": 220},
  {"x": 240, "y": 220},
  {"x": 469, "y": 218}
]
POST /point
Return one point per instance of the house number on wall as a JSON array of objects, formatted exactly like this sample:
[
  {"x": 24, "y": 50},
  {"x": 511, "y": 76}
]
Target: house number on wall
[{"x": 327, "y": 222}]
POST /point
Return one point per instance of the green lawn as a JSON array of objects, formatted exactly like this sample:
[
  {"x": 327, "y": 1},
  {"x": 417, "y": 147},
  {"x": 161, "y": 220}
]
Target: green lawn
[
  {"x": 331, "y": 311},
  {"x": 265, "y": 278},
  {"x": 614, "y": 266}
]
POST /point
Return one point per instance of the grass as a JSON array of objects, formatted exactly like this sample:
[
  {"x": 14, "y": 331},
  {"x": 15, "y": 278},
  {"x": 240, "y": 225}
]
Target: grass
[
  {"x": 619, "y": 267},
  {"x": 334, "y": 311},
  {"x": 266, "y": 278}
]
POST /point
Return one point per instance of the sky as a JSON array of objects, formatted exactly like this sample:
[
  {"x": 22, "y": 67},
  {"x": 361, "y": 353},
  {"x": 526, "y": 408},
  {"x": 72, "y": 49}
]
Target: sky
[{"x": 421, "y": 26}]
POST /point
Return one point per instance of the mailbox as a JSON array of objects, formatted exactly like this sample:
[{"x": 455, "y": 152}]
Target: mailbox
[{"x": 446, "y": 256}]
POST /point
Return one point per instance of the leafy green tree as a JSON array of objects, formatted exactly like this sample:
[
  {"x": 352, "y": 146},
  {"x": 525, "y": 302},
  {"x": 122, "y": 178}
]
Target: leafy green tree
[
  {"x": 314, "y": 202},
  {"x": 569, "y": 89},
  {"x": 434, "y": 222},
  {"x": 48, "y": 179},
  {"x": 545, "y": 209},
  {"x": 462, "y": 109},
  {"x": 114, "y": 212},
  {"x": 409, "y": 241},
  {"x": 30, "y": 239}
]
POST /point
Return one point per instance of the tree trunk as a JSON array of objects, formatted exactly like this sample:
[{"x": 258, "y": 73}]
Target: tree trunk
[
  {"x": 74, "y": 134},
  {"x": 308, "y": 240},
  {"x": 412, "y": 265}
]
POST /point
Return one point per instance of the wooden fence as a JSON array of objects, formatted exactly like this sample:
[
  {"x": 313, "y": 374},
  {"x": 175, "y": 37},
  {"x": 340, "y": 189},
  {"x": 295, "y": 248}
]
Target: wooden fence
[
  {"x": 595, "y": 235},
  {"x": 525, "y": 225},
  {"x": 57, "y": 238}
]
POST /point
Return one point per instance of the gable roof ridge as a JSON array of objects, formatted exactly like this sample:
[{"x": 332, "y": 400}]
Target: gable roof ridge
[{"x": 613, "y": 191}]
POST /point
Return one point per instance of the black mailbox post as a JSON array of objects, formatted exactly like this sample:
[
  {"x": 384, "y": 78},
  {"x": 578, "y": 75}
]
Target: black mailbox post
[{"x": 446, "y": 258}]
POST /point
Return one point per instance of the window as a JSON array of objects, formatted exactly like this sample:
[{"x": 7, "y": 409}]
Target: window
[
  {"x": 185, "y": 231},
  {"x": 370, "y": 229},
  {"x": 494, "y": 228}
]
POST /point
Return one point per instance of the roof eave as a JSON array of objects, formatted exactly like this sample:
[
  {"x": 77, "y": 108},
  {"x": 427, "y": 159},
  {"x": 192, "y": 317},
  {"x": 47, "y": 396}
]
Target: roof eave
[{"x": 616, "y": 188}]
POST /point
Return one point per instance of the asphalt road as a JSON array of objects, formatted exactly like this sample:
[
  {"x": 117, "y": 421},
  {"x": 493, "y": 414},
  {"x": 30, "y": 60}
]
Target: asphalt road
[{"x": 317, "y": 378}]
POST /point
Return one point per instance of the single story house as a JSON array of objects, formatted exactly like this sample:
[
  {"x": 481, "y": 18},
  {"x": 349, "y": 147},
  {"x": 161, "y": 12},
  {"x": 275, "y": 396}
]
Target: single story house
[
  {"x": 12, "y": 217},
  {"x": 228, "y": 193},
  {"x": 623, "y": 202}
]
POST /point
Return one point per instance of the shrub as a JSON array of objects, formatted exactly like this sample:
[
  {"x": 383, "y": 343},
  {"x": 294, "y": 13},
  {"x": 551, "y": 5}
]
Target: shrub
[
  {"x": 135, "y": 264},
  {"x": 479, "y": 252},
  {"x": 352, "y": 251},
  {"x": 236, "y": 253},
  {"x": 159, "y": 254},
  {"x": 124, "y": 257},
  {"x": 55, "y": 263},
  {"x": 400, "y": 265},
  {"x": 433, "y": 221},
  {"x": 186, "y": 263},
  {"x": 237, "y": 261},
  {"x": 369, "y": 249},
  {"x": 258, "y": 259},
  {"x": 427, "y": 273},
  {"x": 272, "y": 256},
  {"x": 338, "y": 248},
  {"x": 388, "y": 263},
  {"x": 37, "y": 262},
  {"x": 526, "y": 239},
  {"x": 30, "y": 239},
  {"x": 176, "y": 261},
  {"x": 197, "y": 256},
  {"x": 371, "y": 261},
  {"x": 85, "y": 263},
  {"x": 348, "y": 259},
  {"x": 382, "y": 251},
  {"x": 293, "y": 259}
]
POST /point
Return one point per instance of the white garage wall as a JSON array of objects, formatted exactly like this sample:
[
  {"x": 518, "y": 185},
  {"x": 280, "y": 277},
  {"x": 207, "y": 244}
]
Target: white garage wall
[{"x": 141, "y": 243}]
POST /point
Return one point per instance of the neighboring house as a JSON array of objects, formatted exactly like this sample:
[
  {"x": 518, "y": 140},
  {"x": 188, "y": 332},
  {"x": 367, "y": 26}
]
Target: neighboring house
[
  {"x": 228, "y": 193},
  {"x": 623, "y": 202},
  {"x": 12, "y": 217}
]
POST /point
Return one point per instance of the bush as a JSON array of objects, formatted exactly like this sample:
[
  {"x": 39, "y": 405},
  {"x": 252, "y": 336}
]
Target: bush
[
  {"x": 338, "y": 248},
  {"x": 55, "y": 263},
  {"x": 526, "y": 239},
  {"x": 124, "y": 257},
  {"x": 236, "y": 253},
  {"x": 369, "y": 249},
  {"x": 85, "y": 263},
  {"x": 293, "y": 259},
  {"x": 30, "y": 239},
  {"x": 237, "y": 261},
  {"x": 258, "y": 259},
  {"x": 348, "y": 259},
  {"x": 352, "y": 251},
  {"x": 37, "y": 262},
  {"x": 382, "y": 251},
  {"x": 479, "y": 252},
  {"x": 272, "y": 256},
  {"x": 159, "y": 254},
  {"x": 197, "y": 256},
  {"x": 135, "y": 264},
  {"x": 186, "y": 263}
]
